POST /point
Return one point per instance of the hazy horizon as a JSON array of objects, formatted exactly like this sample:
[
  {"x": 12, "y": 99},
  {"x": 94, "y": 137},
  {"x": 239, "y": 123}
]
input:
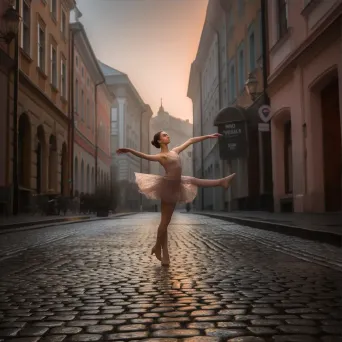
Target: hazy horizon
[{"x": 153, "y": 41}]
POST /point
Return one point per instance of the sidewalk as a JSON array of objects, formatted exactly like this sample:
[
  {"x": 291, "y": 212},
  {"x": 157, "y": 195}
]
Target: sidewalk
[
  {"x": 325, "y": 227},
  {"x": 37, "y": 221}
]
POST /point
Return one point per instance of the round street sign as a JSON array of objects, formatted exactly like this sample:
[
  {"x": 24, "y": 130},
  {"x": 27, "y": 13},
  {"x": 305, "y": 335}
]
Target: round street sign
[{"x": 265, "y": 113}]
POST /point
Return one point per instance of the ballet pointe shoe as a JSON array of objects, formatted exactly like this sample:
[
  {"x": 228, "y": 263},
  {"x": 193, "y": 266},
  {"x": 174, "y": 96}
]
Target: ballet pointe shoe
[
  {"x": 165, "y": 262},
  {"x": 227, "y": 180},
  {"x": 155, "y": 252}
]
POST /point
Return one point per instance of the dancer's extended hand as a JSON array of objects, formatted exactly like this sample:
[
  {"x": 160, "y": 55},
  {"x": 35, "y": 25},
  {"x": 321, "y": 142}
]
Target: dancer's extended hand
[
  {"x": 215, "y": 135},
  {"x": 122, "y": 150}
]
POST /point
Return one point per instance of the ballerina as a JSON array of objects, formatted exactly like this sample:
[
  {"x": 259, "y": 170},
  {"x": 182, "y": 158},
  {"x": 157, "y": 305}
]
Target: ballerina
[{"x": 172, "y": 188}]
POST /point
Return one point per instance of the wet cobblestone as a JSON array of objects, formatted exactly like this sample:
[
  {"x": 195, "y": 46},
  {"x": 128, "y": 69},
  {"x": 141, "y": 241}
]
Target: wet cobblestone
[{"x": 97, "y": 282}]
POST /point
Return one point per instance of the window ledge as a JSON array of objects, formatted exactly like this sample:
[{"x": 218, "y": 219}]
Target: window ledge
[
  {"x": 281, "y": 40},
  {"x": 42, "y": 73},
  {"x": 310, "y": 7},
  {"x": 54, "y": 88},
  {"x": 26, "y": 55}
]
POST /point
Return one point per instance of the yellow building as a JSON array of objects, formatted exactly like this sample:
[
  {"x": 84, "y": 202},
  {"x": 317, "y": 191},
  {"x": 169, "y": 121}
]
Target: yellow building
[{"x": 43, "y": 104}]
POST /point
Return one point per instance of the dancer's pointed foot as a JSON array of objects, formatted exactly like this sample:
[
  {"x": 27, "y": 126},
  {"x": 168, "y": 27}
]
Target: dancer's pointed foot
[
  {"x": 157, "y": 251},
  {"x": 165, "y": 262},
  {"x": 227, "y": 180}
]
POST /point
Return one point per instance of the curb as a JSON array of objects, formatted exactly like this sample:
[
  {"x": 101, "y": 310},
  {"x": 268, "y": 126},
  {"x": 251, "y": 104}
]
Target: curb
[
  {"x": 307, "y": 234},
  {"x": 23, "y": 226}
]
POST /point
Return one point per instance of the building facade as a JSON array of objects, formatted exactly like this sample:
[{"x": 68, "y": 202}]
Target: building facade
[
  {"x": 6, "y": 65},
  {"x": 43, "y": 105},
  {"x": 104, "y": 101},
  {"x": 179, "y": 131},
  {"x": 130, "y": 118},
  {"x": 230, "y": 49},
  {"x": 305, "y": 87},
  {"x": 91, "y": 112}
]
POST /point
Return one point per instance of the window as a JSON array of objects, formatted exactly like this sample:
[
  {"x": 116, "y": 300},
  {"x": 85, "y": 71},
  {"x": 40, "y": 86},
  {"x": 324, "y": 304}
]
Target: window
[
  {"x": 282, "y": 18},
  {"x": 82, "y": 72},
  {"x": 63, "y": 24},
  {"x": 26, "y": 28},
  {"x": 53, "y": 8},
  {"x": 232, "y": 90},
  {"x": 82, "y": 105},
  {"x": 88, "y": 81},
  {"x": 252, "y": 54},
  {"x": 76, "y": 96},
  {"x": 41, "y": 47},
  {"x": 53, "y": 66},
  {"x": 76, "y": 61},
  {"x": 241, "y": 66},
  {"x": 114, "y": 114},
  {"x": 63, "y": 77}
]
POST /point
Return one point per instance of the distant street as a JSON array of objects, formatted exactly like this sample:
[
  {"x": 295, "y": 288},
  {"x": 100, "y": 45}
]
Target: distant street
[{"x": 97, "y": 281}]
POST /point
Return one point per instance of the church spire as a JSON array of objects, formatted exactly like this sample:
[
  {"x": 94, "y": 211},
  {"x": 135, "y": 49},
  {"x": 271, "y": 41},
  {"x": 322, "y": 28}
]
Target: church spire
[{"x": 161, "y": 108}]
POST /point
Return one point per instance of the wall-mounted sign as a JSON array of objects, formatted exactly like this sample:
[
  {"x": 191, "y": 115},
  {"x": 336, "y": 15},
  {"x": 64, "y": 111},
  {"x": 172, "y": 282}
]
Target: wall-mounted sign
[
  {"x": 265, "y": 113},
  {"x": 233, "y": 144},
  {"x": 263, "y": 127}
]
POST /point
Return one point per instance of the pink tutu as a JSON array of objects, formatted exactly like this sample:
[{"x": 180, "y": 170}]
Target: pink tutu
[{"x": 166, "y": 189}]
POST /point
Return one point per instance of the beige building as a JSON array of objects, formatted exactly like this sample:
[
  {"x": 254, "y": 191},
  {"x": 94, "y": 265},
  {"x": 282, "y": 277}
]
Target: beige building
[
  {"x": 130, "y": 119},
  {"x": 43, "y": 103}
]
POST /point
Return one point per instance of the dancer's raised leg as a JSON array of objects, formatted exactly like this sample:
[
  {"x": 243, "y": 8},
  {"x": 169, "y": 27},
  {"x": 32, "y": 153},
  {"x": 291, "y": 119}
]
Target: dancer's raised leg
[
  {"x": 205, "y": 183},
  {"x": 167, "y": 210}
]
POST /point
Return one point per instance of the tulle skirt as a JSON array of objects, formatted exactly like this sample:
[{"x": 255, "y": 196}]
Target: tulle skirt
[{"x": 166, "y": 189}]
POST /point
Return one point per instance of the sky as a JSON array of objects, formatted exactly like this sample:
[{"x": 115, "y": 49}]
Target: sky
[{"x": 153, "y": 41}]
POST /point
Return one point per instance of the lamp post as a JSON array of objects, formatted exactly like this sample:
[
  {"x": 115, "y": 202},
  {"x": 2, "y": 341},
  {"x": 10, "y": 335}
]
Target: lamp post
[
  {"x": 9, "y": 31},
  {"x": 251, "y": 86},
  {"x": 11, "y": 19}
]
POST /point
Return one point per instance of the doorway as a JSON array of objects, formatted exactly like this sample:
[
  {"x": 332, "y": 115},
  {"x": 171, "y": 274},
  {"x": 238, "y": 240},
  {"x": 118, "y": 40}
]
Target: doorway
[{"x": 332, "y": 159}]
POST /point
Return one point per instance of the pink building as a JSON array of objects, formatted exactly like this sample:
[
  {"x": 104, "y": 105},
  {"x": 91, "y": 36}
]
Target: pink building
[
  {"x": 92, "y": 101},
  {"x": 305, "y": 88}
]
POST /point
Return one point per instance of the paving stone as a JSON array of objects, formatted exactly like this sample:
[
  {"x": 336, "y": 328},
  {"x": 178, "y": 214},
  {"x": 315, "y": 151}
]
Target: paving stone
[
  {"x": 9, "y": 332},
  {"x": 132, "y": 327},
  {"x": 332, "y": 329},
  {"x": 25, "y": 339},
  {"x": 225, "y": 333},
  {"x": 65, "y": 330},
  {"x": 53, "y": 338},
  {"x": 266, "y": 322},
  {"x": 262, "y": 330},
  {"x": 86, "y": 337},
  {"x": 127, "y": 336},
  {"x": 33, "y": 331},
  {"x": 232, "y": 312},
  {"x": 202, "y": 313},
  {"x": 176, "y": 333},
  {"x": 169, "y": 325},
  {"x": 99, "y": 329},
  {"x": 231, "y": 324},
  {"x": 293, "y": 329},
  {"x": 200, "y": 325}
]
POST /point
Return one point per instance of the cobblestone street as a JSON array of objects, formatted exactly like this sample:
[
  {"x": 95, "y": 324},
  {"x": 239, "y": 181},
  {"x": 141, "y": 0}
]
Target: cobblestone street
[{"x": 97, "y": 281}]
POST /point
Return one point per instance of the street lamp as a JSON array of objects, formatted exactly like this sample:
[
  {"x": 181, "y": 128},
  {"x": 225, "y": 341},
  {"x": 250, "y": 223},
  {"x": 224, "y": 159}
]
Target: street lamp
[
  {"x": 11, "y": 20},
  {"x": 251, "y": 86}
]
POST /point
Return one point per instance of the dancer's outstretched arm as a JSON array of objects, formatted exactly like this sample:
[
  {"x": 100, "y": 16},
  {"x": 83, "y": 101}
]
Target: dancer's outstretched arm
[
  {"x": 150, "y": 157},
  {"x": 191, "y": 141}
]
